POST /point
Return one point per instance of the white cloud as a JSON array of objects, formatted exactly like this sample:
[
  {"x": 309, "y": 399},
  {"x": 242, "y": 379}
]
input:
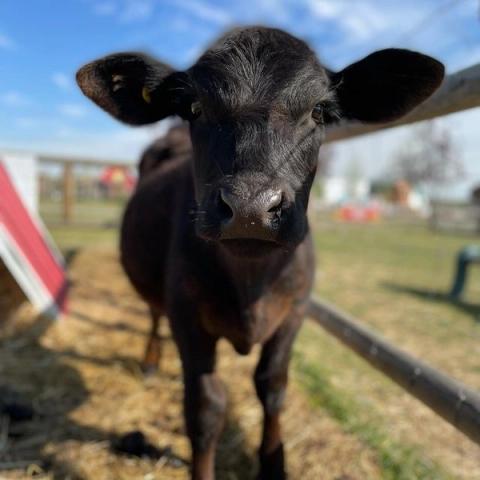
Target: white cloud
[
  {"x": 192, "y": 54},
  {"x": 136, "y": 10},
  {"x": 14, "y": 99},
  {"x": 120, "y": 143},
  {"x": 361, "y": 26},
  {"x": 6, "y": 42},
  {"x": 64, "y": 132},
  {"x": 205, "y": 12},
  {"x": 274, "y": 10},
  {"x": 362, "y": 19},
  {"x": 26, "y": 122},
  {"x": 72, "y": 110},
  {"x": 180, "y": 24},
  {"x": 62, "y": 81},
  {"x": 125, "y": 11},
  {"x": 325, "y": 9}
]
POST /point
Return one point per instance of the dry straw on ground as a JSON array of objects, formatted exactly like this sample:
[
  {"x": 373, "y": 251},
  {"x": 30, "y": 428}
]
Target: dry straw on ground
[{"x": 82, "y": 376}]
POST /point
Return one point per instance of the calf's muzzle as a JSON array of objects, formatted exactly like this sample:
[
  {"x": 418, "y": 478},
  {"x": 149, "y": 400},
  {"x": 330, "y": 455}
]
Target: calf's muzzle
[{"x": 250, "y": 216}]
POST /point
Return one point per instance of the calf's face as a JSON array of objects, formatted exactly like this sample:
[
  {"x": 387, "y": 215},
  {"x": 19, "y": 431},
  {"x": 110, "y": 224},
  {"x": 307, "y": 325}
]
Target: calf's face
[{"x": 258, "y": 102}]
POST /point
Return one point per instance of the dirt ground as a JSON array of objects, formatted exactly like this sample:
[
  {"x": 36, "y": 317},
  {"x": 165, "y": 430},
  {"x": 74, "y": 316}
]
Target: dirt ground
[{"x": 81, "y": 375}]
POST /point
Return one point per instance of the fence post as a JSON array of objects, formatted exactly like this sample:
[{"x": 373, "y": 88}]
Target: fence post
[{"x": 68, "y": 193}]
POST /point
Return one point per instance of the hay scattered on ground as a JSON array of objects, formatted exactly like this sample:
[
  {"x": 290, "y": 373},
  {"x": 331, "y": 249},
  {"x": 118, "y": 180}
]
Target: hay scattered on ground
[
  {"x": 82, "y": 377},
  {"x": 11, "y": 296}
]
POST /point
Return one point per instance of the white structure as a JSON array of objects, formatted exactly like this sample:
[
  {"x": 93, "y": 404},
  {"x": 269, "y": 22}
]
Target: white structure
[
  {"x": 26, "y": 248},
  {"x": 22, "y": 168},
  {"x": 339, "y": 189}
]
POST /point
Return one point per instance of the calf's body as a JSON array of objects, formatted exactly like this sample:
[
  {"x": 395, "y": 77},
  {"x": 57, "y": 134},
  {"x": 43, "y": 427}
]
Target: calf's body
[
  {"x": 218, "y": 239},
  {"x": 208, "y": 294}
]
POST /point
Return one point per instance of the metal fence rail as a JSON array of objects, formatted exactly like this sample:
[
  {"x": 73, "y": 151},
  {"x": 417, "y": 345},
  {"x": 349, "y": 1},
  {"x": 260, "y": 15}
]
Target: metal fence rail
[{"x": 456, "y": 403}]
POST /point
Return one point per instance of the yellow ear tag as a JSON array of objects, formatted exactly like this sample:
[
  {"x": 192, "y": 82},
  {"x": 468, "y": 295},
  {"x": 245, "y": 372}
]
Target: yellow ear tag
[{"x": 146, "y": 95}]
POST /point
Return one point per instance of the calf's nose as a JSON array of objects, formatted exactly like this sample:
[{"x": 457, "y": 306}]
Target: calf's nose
[{"x": 247, "y": 216}]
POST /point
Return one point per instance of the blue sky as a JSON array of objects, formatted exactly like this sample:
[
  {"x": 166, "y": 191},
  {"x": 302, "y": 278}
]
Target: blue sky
[{"x": 43, "y": 42}]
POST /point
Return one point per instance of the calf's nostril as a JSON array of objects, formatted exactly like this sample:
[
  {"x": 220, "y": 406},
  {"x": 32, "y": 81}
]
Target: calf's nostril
[
  {"x": 274, "y": 202},
  {"x": 224, "y": 205}
]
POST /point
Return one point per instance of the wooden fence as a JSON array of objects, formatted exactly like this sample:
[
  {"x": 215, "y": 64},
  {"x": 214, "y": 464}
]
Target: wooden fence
[
  {"x": 453, "y": 401},
  {"x": 68, "y": 186},
  {"x": 456, "y": 403},
  {"x": 458, "y": 217}
]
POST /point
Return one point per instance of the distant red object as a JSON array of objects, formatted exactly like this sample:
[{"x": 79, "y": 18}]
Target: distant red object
[
  {"x": 28, "y": 253},
  {"x": 119, "y": 177},
  {"x": 359, "y": 213}
]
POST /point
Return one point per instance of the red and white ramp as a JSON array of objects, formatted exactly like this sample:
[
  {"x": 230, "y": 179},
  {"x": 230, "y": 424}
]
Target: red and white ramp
[{"x": 28, "y": 252}]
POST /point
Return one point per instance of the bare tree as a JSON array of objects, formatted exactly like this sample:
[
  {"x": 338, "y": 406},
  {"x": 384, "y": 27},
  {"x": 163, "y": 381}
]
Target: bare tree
[{"x": 429, "y": 158}]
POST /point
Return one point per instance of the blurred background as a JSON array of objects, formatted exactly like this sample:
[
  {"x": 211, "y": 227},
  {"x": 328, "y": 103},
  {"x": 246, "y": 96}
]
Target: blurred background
[
  {"x": 43, "y": 111},
  {"x": 396, "y": 219}
]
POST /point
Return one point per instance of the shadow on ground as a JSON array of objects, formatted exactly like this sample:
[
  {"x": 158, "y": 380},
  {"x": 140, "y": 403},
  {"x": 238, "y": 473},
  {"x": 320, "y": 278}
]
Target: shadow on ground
[
  {"x": 436, "y": 296},
  {"x": 40, "y": 379}
]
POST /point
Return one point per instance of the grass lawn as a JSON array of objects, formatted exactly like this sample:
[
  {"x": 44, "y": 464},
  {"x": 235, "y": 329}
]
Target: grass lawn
[
  {"x": 88, "y": 212},
  {"x": 95, "y": 222},
  {"x": 394, "y": 279},
  {"x": 75, "y": 237}
]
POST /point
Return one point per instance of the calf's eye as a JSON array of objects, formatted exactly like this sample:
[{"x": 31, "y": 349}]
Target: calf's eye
[
  {"x": 196, "y": 109},
  {"x": 317, "y": 113}
]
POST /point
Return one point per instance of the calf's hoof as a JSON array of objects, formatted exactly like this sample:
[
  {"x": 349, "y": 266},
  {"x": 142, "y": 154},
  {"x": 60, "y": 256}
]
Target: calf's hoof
[
  {"x": 149, "y": 369},
  {"x": 272, "y": 465}
]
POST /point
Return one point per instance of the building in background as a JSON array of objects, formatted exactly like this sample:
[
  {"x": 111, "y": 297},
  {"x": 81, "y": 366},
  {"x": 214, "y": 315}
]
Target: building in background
[
  {"x": 29, "y": 260},
  {"x": 336, "y": 190}
]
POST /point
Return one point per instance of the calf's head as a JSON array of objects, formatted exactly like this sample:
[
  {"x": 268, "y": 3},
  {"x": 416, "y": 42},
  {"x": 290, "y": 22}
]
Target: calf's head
[{"x": 258, "y": 102}]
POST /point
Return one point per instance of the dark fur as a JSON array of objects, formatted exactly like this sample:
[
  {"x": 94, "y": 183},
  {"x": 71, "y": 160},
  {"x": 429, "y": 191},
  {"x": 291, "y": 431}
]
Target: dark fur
[
  {"x": 175, "y": 144},
  {"x": 219, "y": 241}
]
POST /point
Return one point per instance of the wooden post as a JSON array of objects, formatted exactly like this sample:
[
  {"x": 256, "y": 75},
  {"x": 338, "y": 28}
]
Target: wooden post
[{"x": 68, "y": 196}]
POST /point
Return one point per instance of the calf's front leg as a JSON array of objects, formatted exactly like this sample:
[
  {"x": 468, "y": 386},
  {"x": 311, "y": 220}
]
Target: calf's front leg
[
  {"x": 204, "y": 398},
  {"x": 271, "y": 376}
]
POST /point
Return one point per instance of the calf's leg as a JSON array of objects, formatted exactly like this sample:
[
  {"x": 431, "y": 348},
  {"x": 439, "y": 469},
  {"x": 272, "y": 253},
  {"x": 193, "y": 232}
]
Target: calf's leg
[
  {"x": 204, "y": 398},
  {"x": 153, "y": 349},
  {"x": 271, "y": 377}
]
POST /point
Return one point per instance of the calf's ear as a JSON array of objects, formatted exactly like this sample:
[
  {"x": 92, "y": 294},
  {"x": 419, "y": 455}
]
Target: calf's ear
[
  {"x": 132, "y": 87},
  {"x": 386, "y": 85}
]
